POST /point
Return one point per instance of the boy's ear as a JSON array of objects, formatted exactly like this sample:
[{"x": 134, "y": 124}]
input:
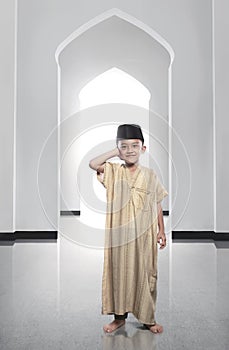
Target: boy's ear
[{"x": 143, "y": 149}]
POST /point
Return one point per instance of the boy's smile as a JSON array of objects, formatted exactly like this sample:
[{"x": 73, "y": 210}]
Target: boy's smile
[{"x": 130, "y": 150}]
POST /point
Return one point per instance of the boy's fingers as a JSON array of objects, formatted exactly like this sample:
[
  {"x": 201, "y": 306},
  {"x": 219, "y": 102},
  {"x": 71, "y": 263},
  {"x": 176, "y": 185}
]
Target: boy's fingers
[{"x": 162, "y": 242}]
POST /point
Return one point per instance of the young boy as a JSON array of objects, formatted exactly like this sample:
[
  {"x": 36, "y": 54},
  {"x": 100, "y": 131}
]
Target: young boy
[{"x": 134, "y": 226}]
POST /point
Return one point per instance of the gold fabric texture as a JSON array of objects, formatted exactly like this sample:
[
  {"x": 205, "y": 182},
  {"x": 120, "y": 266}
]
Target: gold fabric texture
[{"x": 130, "y": 255}]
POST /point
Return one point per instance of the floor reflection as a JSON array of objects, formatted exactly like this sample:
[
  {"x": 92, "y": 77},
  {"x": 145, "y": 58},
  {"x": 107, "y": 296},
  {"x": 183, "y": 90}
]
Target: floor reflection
[
  {"x": 50, "y": 298},
  {"x": 132, "y": 337}
]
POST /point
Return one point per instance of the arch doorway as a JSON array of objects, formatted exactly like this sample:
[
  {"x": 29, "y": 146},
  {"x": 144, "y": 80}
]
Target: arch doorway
[{"x": 82, "y": 60}]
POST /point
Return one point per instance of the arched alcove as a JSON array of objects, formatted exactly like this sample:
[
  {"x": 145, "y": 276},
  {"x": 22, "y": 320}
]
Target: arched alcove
[
  {"x": 128, "y": 54},
  {"x": 123, "y": 15},
  {"x": 113, "y": 42}
]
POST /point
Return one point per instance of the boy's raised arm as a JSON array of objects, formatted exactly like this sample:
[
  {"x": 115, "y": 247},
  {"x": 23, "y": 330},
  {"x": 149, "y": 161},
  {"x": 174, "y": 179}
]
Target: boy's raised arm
[{"x": 97, "y": 163}]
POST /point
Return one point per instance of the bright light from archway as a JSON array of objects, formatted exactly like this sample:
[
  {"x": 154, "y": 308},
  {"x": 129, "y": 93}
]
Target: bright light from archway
[{"x": 114, "y": 86}]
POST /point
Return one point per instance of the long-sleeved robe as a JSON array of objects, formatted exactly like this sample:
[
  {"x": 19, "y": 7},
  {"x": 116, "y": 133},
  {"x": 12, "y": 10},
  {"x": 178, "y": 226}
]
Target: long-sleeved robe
[{"x": 130, "y": 255}]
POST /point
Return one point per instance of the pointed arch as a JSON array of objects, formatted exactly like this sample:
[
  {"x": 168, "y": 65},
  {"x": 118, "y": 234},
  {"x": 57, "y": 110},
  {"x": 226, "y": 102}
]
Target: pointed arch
[
  {"x": 123, "y": 15},
  {"x": 114, "y": 86}
]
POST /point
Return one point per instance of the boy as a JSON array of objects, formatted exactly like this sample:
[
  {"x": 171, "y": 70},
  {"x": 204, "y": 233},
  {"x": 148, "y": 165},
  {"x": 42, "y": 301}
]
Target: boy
[{"x": 134, "y": 215}]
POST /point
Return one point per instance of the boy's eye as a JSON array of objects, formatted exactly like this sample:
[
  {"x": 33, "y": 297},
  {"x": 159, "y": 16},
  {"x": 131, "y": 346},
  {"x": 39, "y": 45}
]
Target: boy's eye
[{"x": 123, "y": 147}]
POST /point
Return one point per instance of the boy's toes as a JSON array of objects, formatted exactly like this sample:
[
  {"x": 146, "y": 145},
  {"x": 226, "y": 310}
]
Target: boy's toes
[
  {"x": 111, "y": 327},
  {"x": 157, "y": 328}
]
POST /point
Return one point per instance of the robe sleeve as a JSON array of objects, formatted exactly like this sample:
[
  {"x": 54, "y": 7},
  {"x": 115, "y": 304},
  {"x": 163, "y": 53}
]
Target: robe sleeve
[
  {"x": 107, "y": 178},
  {"x": 160, "y": 191}
]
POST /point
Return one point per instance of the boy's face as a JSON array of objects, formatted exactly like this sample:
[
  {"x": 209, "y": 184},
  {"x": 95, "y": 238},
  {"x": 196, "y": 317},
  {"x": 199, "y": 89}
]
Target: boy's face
[{"x": 130, "y": 150}]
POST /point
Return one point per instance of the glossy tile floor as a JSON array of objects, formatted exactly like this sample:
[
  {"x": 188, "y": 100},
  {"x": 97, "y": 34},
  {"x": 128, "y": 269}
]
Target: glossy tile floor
[{"x": 50, "y": 298}]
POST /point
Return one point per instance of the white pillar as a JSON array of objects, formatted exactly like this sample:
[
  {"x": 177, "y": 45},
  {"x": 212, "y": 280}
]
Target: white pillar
[
  {"x": 221, "y": 113},
  {"x": 8, "y": 25}
]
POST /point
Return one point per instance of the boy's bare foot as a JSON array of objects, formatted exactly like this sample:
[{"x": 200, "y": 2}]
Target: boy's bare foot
[
  {"x": 157, "y": 328},
  {"x": 111, "y": 327}
]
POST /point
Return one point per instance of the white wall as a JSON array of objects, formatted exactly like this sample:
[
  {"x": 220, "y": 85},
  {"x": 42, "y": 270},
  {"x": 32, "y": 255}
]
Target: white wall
[
  {"x": 192, "y": 113},
  {"x": 7, "y": 47},
  {"x": 221, "y": 25},
  {"x": 187, "y": 26},
  {"x": 36, "y": 117}
]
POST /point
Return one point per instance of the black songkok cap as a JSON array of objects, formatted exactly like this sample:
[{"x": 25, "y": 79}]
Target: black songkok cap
[{"x": 129, "y": 131}]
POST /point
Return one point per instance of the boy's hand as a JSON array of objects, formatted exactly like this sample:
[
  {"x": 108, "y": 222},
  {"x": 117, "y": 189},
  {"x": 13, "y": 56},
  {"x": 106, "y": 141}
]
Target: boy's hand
[
  {"x": 118, "y": 154},
  {"x": 98, "y": 162},
  {"x": 161, "y": 239}
]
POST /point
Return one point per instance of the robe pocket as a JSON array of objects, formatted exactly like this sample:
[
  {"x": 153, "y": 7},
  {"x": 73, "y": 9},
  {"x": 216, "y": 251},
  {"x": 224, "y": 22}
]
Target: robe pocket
[
  {"x": 142, "y": 199},
  {"x": 152, "y": 283}
]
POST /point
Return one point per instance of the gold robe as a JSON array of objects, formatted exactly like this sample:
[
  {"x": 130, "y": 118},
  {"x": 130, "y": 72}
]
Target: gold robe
[{"x": 130, "y": 254}]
